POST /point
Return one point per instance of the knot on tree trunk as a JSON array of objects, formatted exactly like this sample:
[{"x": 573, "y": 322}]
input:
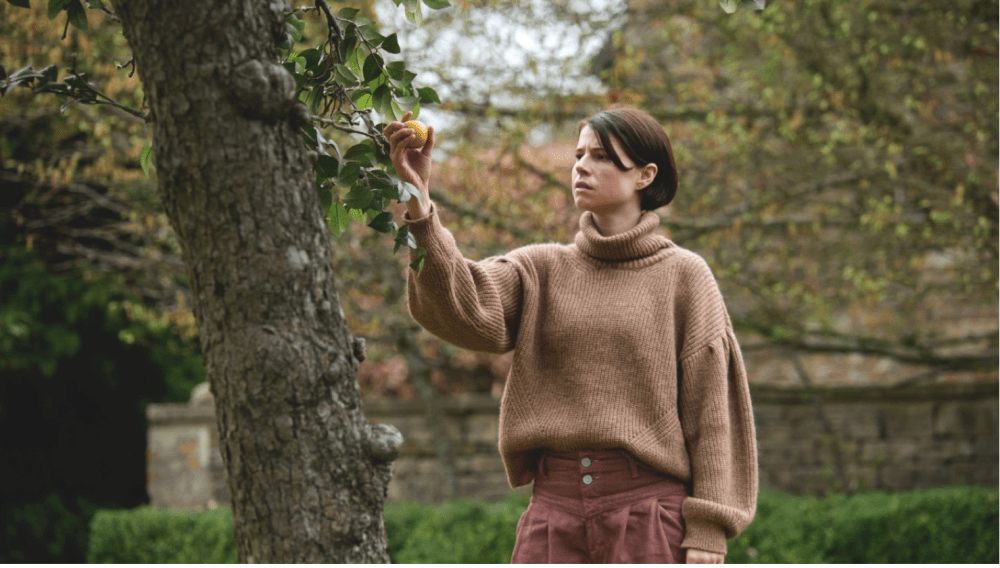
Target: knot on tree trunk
[
  {"x": 262, "y": 90},
  {"x": 384, "y": 442},
  {"x": 358, "y": 347}
]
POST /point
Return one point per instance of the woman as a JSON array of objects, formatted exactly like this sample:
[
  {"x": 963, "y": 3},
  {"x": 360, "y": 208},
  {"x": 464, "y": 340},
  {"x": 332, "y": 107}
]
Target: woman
[{"x": 627, "y": 402}]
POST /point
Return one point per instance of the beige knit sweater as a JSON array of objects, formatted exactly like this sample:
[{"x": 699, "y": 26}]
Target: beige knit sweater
[{"x": 619, "y": 342}]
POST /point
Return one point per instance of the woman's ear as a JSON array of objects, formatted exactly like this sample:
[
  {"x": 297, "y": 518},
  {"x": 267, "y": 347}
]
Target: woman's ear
[{"x": 646, "y": 176}]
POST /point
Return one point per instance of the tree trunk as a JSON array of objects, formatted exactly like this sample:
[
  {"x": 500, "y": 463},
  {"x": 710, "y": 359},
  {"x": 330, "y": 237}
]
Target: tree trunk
[{"x": 307, "y": 474}]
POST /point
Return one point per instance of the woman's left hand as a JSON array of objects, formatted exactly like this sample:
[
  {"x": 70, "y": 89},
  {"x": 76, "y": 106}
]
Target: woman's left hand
[{"x": 695, "y": 556}]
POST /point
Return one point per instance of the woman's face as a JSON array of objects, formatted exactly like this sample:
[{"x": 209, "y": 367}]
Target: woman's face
[{"x": 598, "y": 185}]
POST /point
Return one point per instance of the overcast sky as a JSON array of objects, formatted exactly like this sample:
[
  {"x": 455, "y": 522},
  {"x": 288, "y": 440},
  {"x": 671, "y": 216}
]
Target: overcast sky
[{"x": 504, "y": 55}]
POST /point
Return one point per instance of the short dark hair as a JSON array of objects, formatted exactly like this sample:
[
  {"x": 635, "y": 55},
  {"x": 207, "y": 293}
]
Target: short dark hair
[{"x": 645, "y": 142}]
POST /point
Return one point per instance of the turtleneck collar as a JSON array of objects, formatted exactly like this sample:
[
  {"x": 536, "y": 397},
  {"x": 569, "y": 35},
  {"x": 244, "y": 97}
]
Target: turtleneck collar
[{"x": 638, "y": 242}]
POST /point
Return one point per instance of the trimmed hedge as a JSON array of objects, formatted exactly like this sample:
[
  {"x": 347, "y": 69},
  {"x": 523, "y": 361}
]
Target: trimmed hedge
[
  {"x": 947, "y": 525},
  {"x": 456, "y": 532},
  {"x": 148, "y": 535}
]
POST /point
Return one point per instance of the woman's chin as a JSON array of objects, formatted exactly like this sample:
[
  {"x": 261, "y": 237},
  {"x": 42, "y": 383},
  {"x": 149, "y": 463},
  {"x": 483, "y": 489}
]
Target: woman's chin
[{"x": 582, "y": 203}]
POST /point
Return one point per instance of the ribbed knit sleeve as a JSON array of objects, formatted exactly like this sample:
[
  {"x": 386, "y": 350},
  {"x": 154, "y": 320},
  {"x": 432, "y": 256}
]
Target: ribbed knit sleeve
[
  {"x": 717, "y": 421},
  {"x": 474, "y": 305}
]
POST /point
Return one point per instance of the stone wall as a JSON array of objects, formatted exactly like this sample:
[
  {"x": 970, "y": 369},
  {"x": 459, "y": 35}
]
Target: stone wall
[{"x": 809, "y": 442}]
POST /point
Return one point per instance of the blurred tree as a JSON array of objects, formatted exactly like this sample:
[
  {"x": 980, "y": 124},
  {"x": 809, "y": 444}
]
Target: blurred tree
[
  {"x": 838, "y": 157},
  {"x": 80, "y": 362},
  {"x": 838, "y": 160}
]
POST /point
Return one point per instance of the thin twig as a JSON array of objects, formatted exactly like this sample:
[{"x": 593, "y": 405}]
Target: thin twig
[{"x": 109, "y": 101}]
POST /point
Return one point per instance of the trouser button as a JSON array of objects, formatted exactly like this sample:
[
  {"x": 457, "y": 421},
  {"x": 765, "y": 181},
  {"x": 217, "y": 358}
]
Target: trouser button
[
  {"x": 585, "y": 462},
  {"x": 588, "y": 479}
]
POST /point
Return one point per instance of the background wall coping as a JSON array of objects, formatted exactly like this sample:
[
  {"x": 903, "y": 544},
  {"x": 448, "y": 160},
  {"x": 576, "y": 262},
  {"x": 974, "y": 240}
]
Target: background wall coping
[{"x": 471, "y": 403}]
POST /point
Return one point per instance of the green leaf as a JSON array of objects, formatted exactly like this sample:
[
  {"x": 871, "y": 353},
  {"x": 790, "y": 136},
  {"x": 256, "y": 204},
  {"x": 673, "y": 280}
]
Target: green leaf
[
  {"x": 437, "y": 4},
  {"x": 326, "y": 167},
  {"x": 404, "y": 238},
  {"x": 325, "y": 197},
  {"x": 383, "y": 222},
  {"x": 67, "y": 104},
  {"x": 295, "y": 26},
  {"x": 347, "y": 13},
  {"x": 428, "y": 96},
  {"x": 373, "y": 67},
  {"x": 56, "y": 6},
  {"x": 418, "y": 263},
  {"x": 49, "y": 74},
  {"x": 361, "y": 152},
  {"x": 310, "y": 136},
  {"x": 349, "y": 174},
  {"x": 358, "y": 215},
  {"x": 383, "y": 100},
  {"x": 337, "y": 219},
  {"x": 407, "y": 191},
  {"x": 380, "y": 81},
  {"x": 19, "y": 3},
  {"x": 312, "y": 98},
  {"x": 77, "y": 15},
  {"x": 145, "y": 158},
  {"x": 345, "y": 76},
  {"x": 414, "y": 12},
  {"x": 371, "y": 34},
  {"x": 362, "y": 98},
  {"x": 359, "y": 197},
  {"x": 311, "y": 58},
  {"x": 396, "y": 70},
  {"x": 407, "y": 103},
  {"x": 356, "y": 61},
  {"x": 396, "y": 110},
  {"x": 391, "y": 44},
  {"x": 377, "y": 179}
]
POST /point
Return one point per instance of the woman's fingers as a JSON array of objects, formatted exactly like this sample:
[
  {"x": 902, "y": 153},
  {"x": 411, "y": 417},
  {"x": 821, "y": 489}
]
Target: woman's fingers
[{"x": 429, "y": 144}]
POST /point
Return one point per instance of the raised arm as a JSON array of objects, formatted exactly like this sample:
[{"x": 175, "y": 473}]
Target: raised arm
[{"x": 474, "y": 305}]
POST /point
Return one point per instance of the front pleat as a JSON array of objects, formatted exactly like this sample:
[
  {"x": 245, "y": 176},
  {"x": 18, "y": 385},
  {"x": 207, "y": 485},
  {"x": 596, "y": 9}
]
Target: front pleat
[{"x": 533, "y": 539}]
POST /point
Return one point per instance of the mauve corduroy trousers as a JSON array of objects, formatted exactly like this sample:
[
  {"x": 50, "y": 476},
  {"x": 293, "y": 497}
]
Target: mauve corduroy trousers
[{"x": 601, "y": 507}]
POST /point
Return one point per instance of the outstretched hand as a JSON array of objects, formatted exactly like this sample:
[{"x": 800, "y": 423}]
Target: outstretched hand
[{"x": 412, "y": 164}]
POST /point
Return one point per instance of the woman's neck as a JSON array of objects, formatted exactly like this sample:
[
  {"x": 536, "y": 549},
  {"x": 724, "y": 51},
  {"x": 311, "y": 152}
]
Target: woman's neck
[{"x": 617, "y": 222}]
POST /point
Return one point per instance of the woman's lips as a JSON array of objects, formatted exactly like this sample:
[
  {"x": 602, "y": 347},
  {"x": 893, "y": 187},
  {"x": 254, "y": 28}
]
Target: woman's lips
[{"x": 582, "y": 185}]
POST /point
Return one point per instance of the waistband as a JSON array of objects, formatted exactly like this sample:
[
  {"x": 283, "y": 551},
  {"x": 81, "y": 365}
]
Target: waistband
[
  {"x": 590, "y": 481},
  {"x": 598, "y": 461}
]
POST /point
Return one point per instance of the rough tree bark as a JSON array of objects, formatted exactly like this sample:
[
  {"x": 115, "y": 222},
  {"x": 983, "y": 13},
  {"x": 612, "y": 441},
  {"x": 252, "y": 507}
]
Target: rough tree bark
[{"x": 307, "y": 474}]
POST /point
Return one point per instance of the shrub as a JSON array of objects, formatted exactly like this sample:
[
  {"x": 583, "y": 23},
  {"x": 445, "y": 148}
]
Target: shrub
[
  {"x": 401, "y": 518},
  {"x": 78, "y": 368},
  {"x": 466, "y": 531},
  {"x": 44, "y": 529},
  {"x": 948, "y": 525},
  {"x": 154, "y": 536},
  {"x": 943, "y": 526}
]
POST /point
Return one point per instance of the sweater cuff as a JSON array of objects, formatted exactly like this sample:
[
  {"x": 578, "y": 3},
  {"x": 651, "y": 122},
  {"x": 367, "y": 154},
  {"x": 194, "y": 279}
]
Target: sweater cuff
[
  {"x": 704, "y": 535},
  {"x": 431, "y": 211},
  {"x": 429, "y": 234}
]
